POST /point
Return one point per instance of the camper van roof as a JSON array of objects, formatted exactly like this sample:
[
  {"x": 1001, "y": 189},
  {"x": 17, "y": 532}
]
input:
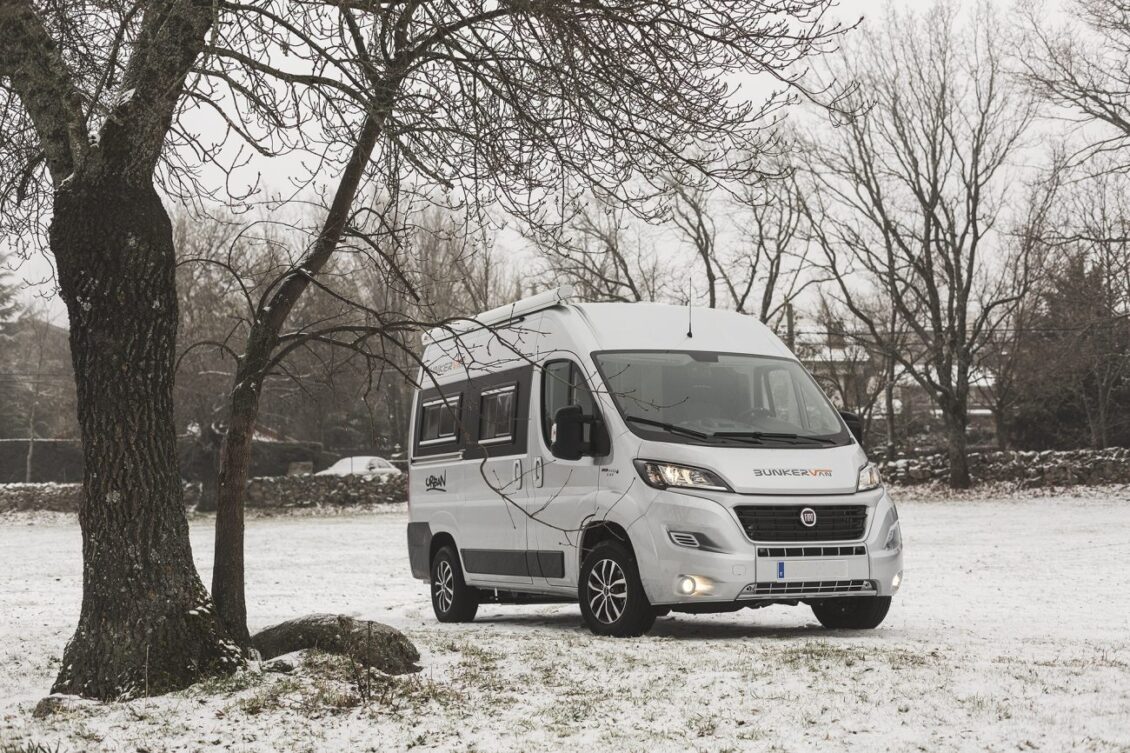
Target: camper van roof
[{"x": 657, "y": 326}]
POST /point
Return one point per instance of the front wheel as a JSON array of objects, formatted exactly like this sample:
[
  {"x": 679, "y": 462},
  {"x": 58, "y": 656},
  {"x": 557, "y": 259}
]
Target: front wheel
[
  {"x": 612, "y": 598},
  {"x": 852, "y": 612},
  {"x": 452, "y": 599}
]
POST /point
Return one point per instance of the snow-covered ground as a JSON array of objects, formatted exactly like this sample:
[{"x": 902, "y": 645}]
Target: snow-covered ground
[{"x": 1012, "y": 632}]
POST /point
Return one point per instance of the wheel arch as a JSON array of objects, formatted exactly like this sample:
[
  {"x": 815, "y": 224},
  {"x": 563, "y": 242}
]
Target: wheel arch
[
  {"x": 439, "y": 540},
  {"x": 600, "y": 531}
]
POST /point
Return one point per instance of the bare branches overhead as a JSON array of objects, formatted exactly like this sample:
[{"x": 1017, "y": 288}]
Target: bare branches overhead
[{"x": 1083, "y": 66}]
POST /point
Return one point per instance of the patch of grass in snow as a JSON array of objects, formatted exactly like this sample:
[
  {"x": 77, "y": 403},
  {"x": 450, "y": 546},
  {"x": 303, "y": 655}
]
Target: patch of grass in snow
[
  {"x": 328, "y": 683},
  {"x": 270, "y": 696},
  {"x": 818, "y": 655},
  {"x": 478, "y": 668},
  {"x": 225, "y": 684},
  {"x": 29, "y": 747},
  {"x": 703, "y": 726},
  {"x": 986, "y": 705}
]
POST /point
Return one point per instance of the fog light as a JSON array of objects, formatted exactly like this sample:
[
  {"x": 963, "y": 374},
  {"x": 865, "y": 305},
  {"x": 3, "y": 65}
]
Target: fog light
[
  {"x": 685, "y": 585},
  {"x": 896, "y": 581}
]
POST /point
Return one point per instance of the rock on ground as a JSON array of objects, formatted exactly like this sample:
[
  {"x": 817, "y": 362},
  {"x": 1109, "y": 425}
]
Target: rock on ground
[{"x": 369, "y": 643}]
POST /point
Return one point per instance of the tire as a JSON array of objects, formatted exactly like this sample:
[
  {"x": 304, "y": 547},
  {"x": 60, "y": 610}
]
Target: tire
[
  {"x": 612, "y": 598},
  {"x": 452, "y": 599},
  {"x": 852, "y": 612}
]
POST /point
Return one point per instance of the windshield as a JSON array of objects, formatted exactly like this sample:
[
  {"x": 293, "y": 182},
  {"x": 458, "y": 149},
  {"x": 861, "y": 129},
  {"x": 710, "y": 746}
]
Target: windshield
[{"x": 724, "y": 398}]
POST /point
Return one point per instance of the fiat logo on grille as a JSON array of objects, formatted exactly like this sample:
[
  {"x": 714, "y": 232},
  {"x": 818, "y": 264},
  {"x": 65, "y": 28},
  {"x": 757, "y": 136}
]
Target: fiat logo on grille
[{"x": 808, "y": 517}]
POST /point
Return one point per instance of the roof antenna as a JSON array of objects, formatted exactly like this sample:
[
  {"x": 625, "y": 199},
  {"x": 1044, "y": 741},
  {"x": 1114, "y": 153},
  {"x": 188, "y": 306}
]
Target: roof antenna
[{"x": 690, "y": 328}]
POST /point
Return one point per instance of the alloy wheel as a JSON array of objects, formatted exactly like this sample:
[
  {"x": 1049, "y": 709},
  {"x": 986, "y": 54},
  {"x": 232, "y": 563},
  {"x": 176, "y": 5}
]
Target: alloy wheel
[
  {"x": 608, "y": 591},
  {"x": 445, "y": 586}
]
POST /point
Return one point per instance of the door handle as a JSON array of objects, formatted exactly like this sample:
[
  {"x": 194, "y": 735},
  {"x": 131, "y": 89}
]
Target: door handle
[
  {"x": 539, "y": 475},
  {"x": 518, "y": 473}
]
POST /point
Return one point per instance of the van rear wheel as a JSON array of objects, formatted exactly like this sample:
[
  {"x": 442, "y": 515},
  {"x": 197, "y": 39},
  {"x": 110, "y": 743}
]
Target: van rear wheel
[
  {"x": 612, "y": 598},
  {"x": 852, "y": 612},
  {"x": 452, "y": 599}
]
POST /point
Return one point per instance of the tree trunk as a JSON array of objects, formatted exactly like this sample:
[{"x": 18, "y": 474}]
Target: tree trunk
[
  {"x": 1000, "y": 423},
  {"x": 208, "y": 445},
  {"x": 956, "y": 443},
  {"x": 889, "y": 406},
  {"x": 235, "y": 456},
  {"x": 235, "y": 465},
  {"x": 146, "y": 624},
  {"x": 30, "y": 459}
]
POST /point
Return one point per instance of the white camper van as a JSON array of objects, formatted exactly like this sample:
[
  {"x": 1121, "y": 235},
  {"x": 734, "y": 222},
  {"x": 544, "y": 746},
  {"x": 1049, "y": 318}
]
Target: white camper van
[{"x": 639, "y": 459}]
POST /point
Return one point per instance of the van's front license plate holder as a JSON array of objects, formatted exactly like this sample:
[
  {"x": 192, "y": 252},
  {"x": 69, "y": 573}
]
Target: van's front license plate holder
[{"x": 810, "y": 570}]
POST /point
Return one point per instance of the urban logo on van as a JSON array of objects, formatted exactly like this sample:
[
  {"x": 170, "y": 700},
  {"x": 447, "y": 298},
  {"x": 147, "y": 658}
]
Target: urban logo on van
[
  {"x": 818, "y": 472},
  {"x": 436, "y": 482}
]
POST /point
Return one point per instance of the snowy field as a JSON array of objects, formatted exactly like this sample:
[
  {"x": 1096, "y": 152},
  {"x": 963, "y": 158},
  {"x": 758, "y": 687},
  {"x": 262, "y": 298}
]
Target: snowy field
[{"x": 1012, "y": 632}]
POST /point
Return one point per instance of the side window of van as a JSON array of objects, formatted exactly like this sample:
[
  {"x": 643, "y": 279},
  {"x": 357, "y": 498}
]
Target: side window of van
[
  {"x": 439, "y": 419},
  {"x": 563, "y": 384},
  {"x": 496, "y": 414}
]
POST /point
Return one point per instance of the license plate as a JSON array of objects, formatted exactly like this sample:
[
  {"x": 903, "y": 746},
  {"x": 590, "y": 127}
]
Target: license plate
[{"x": 821, "y": 569}]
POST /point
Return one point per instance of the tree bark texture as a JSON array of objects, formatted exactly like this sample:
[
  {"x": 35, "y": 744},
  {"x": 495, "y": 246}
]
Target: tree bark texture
[
  {"x": 146, "y": 625},
  {"x": 228, "y": 587},
  {"x": 954, "y": 419}
]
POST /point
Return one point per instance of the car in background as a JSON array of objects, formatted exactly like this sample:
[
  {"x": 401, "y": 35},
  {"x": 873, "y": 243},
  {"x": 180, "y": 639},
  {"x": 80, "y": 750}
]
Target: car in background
[{"x": 361, "y": 465}]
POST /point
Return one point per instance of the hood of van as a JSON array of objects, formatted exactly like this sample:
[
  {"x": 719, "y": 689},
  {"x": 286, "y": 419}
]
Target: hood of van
[{"x": 769, "y": 470}]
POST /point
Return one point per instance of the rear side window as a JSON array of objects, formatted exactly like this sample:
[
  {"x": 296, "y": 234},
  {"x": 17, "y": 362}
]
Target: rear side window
[
  {"x": 439, "y": 420},
  {"x": 496, "y": 414}
]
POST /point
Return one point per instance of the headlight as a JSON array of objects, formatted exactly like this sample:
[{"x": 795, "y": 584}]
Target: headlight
[
  {"x": 663, "y": 475},
  {"x": 894, "y": 537},
  {"x": 868, "y": 478}
]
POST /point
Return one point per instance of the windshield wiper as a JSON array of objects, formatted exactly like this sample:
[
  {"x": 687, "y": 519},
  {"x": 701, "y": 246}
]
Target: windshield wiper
[
  {"x": 685, "y": 431},
  {"x": 672, "y": 428},
  {"x": 772, "y": 436}
]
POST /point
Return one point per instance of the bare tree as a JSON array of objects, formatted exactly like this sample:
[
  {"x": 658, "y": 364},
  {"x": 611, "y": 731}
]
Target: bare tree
[
  {"x": 852, "y": 367},
  {"x": 774, "y": 249},
  {"x": 603, "y": 255},
  {"x": 755, "y": 262},
  {"x": 495, "y": 103},
  {"x": 88, "y": 98},
  {"x": 1093, "y": 293},
  {"x": 1080, "y": 66},
  {"x": 913, "y": 199}
]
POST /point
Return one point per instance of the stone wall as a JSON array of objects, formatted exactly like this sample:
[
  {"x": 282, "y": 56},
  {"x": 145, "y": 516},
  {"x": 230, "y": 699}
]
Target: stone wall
[
  {"x": 268, "y": 492},
  {"x": 1028, "y": 469},
  {"x": 310, "y": 491},
  {"x": 52, "y": 497},
  {"x": 60, "y": 460}
]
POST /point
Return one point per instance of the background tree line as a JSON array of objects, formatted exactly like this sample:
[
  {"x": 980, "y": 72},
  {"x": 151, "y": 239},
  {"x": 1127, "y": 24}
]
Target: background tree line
[{"x": 913, "y": 245}]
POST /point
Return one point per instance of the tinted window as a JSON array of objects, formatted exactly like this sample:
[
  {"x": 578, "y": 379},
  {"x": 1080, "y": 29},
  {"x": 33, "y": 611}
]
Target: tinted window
[
  {"x": 496, "y": 414},
  {"x": 563, "y": 384},
  {"x": 438, "y": 420}
]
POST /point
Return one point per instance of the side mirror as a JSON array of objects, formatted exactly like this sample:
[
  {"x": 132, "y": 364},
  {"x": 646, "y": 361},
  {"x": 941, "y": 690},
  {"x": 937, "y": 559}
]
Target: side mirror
[
  {"x": 854, "y": 424},
  {"x": 567, "y": 438}
]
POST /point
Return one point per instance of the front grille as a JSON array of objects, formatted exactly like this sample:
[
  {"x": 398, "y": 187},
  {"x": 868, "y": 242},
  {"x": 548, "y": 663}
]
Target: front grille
[
  {"x": 808, "y": 588},
  {"x": 782, "y": 522},
  {"x": 851, "y": 550}
]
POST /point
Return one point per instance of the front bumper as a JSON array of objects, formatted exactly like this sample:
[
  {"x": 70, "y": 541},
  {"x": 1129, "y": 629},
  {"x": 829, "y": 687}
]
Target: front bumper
[{"x": 729, "y": 567}]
